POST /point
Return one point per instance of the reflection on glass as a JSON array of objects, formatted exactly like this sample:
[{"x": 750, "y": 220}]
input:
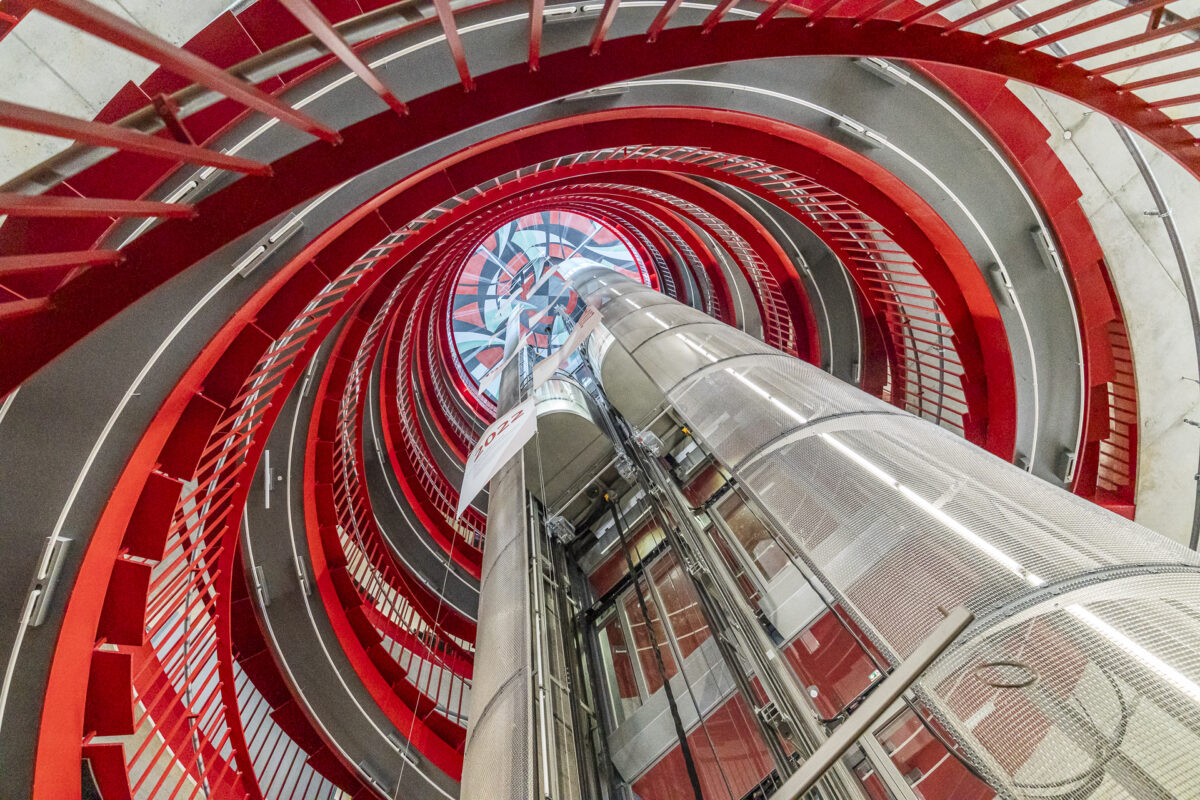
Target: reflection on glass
[
  {"x": 753, "y": 536},
  {"x": 618, "y": 667},
  {"x": 828, "y": 658},
  {"x": 642, "y": 641},
  {"x": 927, "y": 767},
  {"x": 681, "y": 603},
  {"x": 864, "y": 770}
]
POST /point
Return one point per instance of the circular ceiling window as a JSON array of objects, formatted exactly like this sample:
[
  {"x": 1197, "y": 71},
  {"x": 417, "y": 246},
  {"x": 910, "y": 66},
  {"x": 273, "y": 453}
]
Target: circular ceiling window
[{"x": 521, "y": 269}]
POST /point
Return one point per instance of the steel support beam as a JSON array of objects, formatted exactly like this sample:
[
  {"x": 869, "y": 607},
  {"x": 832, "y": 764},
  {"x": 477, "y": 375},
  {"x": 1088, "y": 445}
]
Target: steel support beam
[
  {"x": 861, "y": 721},
  {"x": 536, "y": 8},
  {"x": 771, "y": 12},
  {"x": 35, "y": 120},
  {"x": 102, "y": 24},
  {"x": 661, "y": 19},
  {"x": 311, "y": 18},
  {"x": 603, "y": 22},
  {"x": 21, "y": 205},
  {"x": 15, "y": 265},
  {"x": 717, "y": 14},
  {"x": 454, "y": 42},
  {"x": 22, "y": 308}
]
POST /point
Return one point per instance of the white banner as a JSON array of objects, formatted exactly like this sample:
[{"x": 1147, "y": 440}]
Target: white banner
[
  {"x": 548, "y": 366},
  {"x": 495, "y": 447}
]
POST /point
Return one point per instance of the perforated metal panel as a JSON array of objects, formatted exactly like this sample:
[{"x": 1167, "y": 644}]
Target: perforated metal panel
[
  {"x": 633, "y": 329},
  {"x": 1081, "y": 675},
  {"x": 670, "y": 358},
  {"x": 1104, "y": 700}
]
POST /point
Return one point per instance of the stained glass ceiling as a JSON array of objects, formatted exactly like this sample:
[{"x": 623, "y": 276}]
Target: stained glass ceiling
[{"x": 519, "y": 269}]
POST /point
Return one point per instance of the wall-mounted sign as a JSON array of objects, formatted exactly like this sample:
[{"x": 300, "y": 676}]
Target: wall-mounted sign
[{"x": 495, "y": 447}]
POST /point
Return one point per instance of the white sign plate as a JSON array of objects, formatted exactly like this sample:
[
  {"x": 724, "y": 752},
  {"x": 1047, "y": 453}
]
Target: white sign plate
[{"x": 495, "y": 447}]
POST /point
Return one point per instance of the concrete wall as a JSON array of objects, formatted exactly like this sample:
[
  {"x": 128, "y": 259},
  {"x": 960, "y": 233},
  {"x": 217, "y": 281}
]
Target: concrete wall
[
  {"x": 52, "y": 66},
  {"x": 1147, "y": 278}
]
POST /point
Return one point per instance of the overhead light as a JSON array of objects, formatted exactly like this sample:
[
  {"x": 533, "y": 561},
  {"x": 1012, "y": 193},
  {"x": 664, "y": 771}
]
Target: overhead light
[
  {"x": 1065, "y": 465},
  {"x": 859, "y": 132},
  {"x": 1148, "y": 659},
  {"x": 1046, "y": 249},
  {"x": 47, "y": 578},
  {"x": 883, "y": 70},
  {"x": 552, "y": 14},
  {"x": 267, "y": 245},
  {"x": 1001, "y": 285}
]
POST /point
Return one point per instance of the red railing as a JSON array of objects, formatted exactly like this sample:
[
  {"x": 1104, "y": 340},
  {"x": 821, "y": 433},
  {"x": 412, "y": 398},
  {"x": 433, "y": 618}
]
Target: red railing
[
  {"x": 243, "y": 426},
  {"x": 889, "y": 28},
  {"x": 187, "y": 683},
  {"x": 411, "y": 634}
]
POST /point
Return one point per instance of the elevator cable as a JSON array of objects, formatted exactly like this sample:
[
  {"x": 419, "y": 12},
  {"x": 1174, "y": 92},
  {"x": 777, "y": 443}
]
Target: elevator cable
[{"x": 693, "y": 776}]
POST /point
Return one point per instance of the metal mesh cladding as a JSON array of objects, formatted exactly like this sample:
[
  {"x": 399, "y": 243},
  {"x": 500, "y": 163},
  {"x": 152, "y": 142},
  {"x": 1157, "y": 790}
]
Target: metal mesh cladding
[
  {"x": 1081, "y": 678},
  {"x": 746, "y": 403},
  {"x": 1092, "y": 695},
  {"x": 674, "y": 356},
  {"x": 633, "y": 329},
  {"x": 636, "y": 306},
  {"x": 503, "y": 768},
  {"x": 1081, "y": 675}
]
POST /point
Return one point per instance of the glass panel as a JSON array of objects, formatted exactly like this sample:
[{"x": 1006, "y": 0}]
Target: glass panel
[
  {"x": 754, "y": 538},
  {"x": 831, "y": 663},
  {"x": 641, "y": 639},
  {"x": 618, "y": 668},
  {"x": 864, "y": 770},
  {"x": 927, "y": 767},
  {"x": 704, "y": 484},
  {"x": 609, "y": 572},
  {"x": 681, "y": 603}
]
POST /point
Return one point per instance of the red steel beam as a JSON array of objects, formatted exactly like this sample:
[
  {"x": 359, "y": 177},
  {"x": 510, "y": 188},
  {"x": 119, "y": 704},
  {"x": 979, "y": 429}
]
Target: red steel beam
[
  {"x": 1107, "y": 19},
  {"x": 771, "y": 12},
  {"x": 820, "y": 12},
  {"x": 316, "y": 22},
  {"x": 1149, "y": 58},
  {"x": 983, "y": 13},
  {"x": 168, "y": 111},
  {"x": 875, "y": 11},
  {"x": 35, "y": 120},
  {"x": 1160, "y": 80},
  {"x": 13, "y": 265},
  {"x": 1176, "y": 101},
  {"x": 40, "y": 205},
  {"x": 23, "y": 308},
  {"x": 926, "y": 11},
  {"x": 536, "y": 7},
  {"x": 716, "y": 14},
  {"x": 1131, "y": 41},
  {"x": 603, "y": 22},
  {"x": 454, "y": 41},
  {"x": 113, "y": 29},
  {"x": 1036, "y": 19},
  {"x": 661, "y": 19}
]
